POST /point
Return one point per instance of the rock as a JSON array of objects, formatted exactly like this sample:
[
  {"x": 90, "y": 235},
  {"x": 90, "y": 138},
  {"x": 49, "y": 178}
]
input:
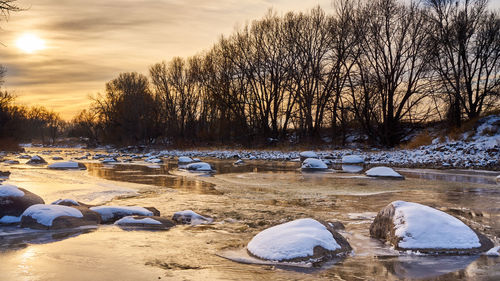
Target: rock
[
  {"x": 353, "y": 159},
  {"x": 36, "y": 160},
  {"x": 145, "y": 222},
  {"x": 184, "y": 160},
  {"x": 416, "y": 227},
  {"x": 58, "y": 217},
  {"x": 70, "y": 203},
  {"x": 307, "y": 154},
  {"x": 14, "y": 201},
  {"x": 190, "y": 217},
  {"x": 11, "y": 162},
  {"x": 313, "y": 164},
  {"x": 109, "y": 160},
  {"x": 302, "y": 240},
  {"x": 4, "y": 175},
  {"x": 110, "y": 214},
  {"x": 199, "y": 167},
  {"x": 70, "y": 165},
  {"x": 238, "y": 162},
  {"x": 56, "y": 158},
  {"x": 383, "y": 172}
]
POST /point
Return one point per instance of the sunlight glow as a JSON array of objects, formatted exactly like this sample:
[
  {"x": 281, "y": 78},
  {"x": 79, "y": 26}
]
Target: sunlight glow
[{"x": 30, "y": 43}]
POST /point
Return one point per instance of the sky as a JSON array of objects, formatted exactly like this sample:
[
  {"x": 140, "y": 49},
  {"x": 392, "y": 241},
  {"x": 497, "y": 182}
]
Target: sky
[{"x": 88, "y": 43}]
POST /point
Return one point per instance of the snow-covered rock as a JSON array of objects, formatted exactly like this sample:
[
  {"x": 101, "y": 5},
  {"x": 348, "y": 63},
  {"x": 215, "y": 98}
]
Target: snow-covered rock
[
  {"x": 11, "y": 162},
  {"x": 352, "y": 159},
  {"x": 313, "y": 164},
  {"x": 238, "y": 162},
  {"x": 412, "y": 226},
  {"x": 42, "y": 216},
  {"x": 384, "y": 172},
  {"x": 70, "y": 165},
  {"x": 190, "y": 217},
  {"x": 199, "y": 167},
  {"x": 183, "y": 160},
  {"x": 66, "y": 202},
  {"x": 307, "y": 154},
  {"x": 111, "y": 214},
  {"x": 145, "y": 222},
  {"x": 153, "y": 160},
  {"x": 298, "y": 240},
  {"x": 57, "y": 158},
  {"x": 36, "y": 160},
  {"x": 109, "y": 160},
  {"x": 14, "y": 201}
]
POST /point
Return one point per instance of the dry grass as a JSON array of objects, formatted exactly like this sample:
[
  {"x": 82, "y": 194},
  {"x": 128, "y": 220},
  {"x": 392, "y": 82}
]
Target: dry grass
[{"x": 424, "y": 138}]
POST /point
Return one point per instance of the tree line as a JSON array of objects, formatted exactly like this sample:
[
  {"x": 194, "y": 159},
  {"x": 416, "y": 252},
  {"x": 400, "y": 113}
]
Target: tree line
[{"x": 382, "y": 67}]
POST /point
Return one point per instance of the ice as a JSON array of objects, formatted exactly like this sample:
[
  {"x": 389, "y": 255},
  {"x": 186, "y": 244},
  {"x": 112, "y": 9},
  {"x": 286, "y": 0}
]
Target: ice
[
  {"x": 66, "y": 165},
  {"x": 292, "y": 240},
  {"x": 8, "y": 190},
  {"x": 108, "y": 212},
  {"x": 352, "y": 159},
  {"x": 423, "y": 227},
  {"x": 312, "y": 163},
  {"x": 45, "y": 214},
  {"x": 132, "y": 220},
  {"x": 383, "y": 172}
]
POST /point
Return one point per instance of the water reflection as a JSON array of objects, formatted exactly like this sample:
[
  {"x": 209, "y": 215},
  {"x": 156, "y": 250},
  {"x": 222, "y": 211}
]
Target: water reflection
[
  {"x": 420, "y": 267},
  {"x": 352, "y": 168}
]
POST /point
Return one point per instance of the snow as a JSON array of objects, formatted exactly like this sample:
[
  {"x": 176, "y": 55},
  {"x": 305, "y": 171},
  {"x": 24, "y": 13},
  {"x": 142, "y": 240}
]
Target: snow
[
  {"x": 291, "y": 240},
  {"x": 308, "y": 154},
  {"x": 36, "y": 158},
  {"x": 9, "y": 219},
  {"x": 132, "y": 220},
  {"x": 64, "y": 165},
  {"x": 108, "y": 212},
  {"x": 383, "y": 172},
  {"x": 493, "y": 252},
  {"x": 45, "y": 214},
  {"x": 352, "y": 159},
  {"x": 313, "y": 163},
  {"x": 70, "y": 201},
  {"x": 8, "y": 190},
  {"x": 199, "y": 166},
  {"x": 423, "y": 227},
  {"x": 185, "y": 159}
]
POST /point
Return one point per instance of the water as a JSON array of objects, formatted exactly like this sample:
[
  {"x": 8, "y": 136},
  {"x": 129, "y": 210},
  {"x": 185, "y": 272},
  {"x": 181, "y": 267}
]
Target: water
[{"x": 243, "y": 200}]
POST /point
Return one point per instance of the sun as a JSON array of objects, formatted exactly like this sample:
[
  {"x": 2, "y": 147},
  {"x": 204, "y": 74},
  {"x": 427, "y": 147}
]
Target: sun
[{"x": 30, "y": 43}]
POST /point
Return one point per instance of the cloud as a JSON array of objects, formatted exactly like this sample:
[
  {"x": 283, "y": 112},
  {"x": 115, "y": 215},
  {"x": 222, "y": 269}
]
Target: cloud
[{"x": 90, "y": 42}]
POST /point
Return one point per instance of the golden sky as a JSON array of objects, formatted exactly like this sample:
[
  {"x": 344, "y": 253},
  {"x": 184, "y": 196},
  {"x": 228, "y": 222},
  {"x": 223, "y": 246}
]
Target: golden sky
[{"x": 88, "y": 43}]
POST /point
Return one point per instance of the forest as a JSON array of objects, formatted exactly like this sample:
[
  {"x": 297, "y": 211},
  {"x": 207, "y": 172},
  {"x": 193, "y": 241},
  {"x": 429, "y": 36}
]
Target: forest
[{"x": 382, "y": 68}]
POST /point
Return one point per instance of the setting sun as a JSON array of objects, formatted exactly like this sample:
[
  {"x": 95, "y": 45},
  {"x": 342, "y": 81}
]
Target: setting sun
[{"x": 30, "y": 43}]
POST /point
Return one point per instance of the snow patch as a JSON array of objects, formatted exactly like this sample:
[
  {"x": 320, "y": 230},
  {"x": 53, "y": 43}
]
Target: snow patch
[
  {"x": 423, "y": 227},
  {"x": 493, "y": 252},
  {"x": 291, "y": 240},
  {"x": 8, "y": 190},
  {"x": 45, "y": 214}
]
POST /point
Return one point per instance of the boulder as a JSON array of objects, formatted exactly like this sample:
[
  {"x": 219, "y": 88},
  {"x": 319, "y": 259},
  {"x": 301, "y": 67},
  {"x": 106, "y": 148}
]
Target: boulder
[
  {"x": 302, "y": 240},
  {"x": 57, "y": 158},
  {"x": 184, "y": 160},
  {"x": 4, "y": 175},
  {"x": 313, "y": 164},
  {"x": 145, "y": 222},
  {"x": 416, "y": 227},
  {"x": 49, "y": 217},
  {"x": 70, "y": 203},
  {"x": 307, "y": 154},
  {"x": 36, "y": 160},
  {"x": 14, "y": 201},
  {"x": 190, "y": 217},
  {"x": 199, "y": 167},
  {"x": 353, "y": 159},
  {"x": 384, "y": 172},
  {"x": 70, "y": 165},
  {"x": 110, "y": 214}
]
